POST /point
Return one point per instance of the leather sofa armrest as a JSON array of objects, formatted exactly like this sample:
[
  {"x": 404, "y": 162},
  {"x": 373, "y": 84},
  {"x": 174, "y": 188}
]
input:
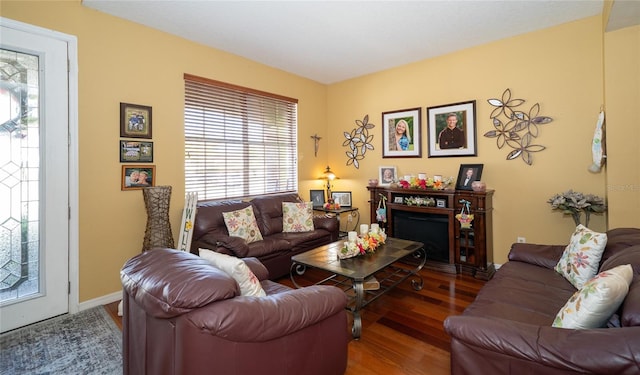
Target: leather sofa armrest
[
  {"x": 257, "y": 319},
  {"x": 258, "y": 269},
  {"x": 235, "y": 246},
  {"x": 328, "y": 223},
  {"x": 618, "y": 349},
  {"x": 540, "y": 255}
]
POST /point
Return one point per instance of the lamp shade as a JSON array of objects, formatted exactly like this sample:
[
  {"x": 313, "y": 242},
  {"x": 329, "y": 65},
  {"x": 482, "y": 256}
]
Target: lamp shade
[{"x": 328, "y": 174}]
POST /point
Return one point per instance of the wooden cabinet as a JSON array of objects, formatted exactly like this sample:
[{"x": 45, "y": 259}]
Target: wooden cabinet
[{"x": 450, "y": 248}]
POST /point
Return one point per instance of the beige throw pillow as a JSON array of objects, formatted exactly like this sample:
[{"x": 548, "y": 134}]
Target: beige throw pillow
[
  {"x": 581, "y": 258},
  {"x": 297, "y": 217},
  {"x": 236, "y": 268},
  {"x": 242, "y": 223},
  {"x": 599, "y": 298}
]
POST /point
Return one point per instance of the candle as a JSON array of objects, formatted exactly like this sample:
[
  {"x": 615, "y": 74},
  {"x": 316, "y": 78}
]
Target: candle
[
  {"x": 375, "y": 228},
  {"x": 422, "y": 176},
  {"x": 407, "y": 177},
  {"x": 437, "y": 178},
  {"x": 352, "y": 235},
  {"x": 364, "y": 229}
]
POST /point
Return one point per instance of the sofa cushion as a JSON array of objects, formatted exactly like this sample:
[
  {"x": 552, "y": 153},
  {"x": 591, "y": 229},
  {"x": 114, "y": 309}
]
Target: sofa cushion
[
  {"x": 269, "y": 210},
  {"x": 630, "y": 310},
  {"x": 581, "y": 258},
  {"x": 242, "y": 223},
  {"x": 168, "y": 283},
  {"x": 297, "y": 217},
  {"x": 236, "y": 268},
  {"x": 599, "y": 298}
]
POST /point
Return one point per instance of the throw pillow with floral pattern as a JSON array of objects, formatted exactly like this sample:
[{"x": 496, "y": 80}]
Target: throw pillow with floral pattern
[
  {"x": 297, "y": 217},
  {"x": 242, "y": 223},
  {"x": 581, "y": 258}
]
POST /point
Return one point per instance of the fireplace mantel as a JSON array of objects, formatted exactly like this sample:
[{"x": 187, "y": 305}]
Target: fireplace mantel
[{"x": 470, "y": 250}]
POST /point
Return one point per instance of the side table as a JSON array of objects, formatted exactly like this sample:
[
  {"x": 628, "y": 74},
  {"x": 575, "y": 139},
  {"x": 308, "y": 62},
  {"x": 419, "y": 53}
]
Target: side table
[{"x": 351, "y": 211}]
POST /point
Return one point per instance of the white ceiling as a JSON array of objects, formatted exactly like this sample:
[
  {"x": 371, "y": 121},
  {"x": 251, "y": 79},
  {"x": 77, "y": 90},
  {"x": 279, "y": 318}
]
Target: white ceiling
[{"x": 331, "y": 41}]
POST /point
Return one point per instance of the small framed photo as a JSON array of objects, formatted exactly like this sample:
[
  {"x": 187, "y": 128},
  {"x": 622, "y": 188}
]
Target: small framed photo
[
  {"x": 467, "y": 174},
  {"x": 317, "y": 197},
  {"x": 401, "y": 134},
  {"x": 452, "y": 129},
  {"x": 135, "y": 121},
  {"x": 136, "y": 177},
  {"x": 136, "y": 151},
  {"x": 387, "y": 175},
  {"x": 343, "y": 198},
  {"x": 442, "y": 203},
  {"x": 398, "y": 200}
]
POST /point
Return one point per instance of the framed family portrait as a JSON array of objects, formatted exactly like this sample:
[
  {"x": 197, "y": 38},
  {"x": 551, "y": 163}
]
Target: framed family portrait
[
  {"x": 135, "y": 121},
  {"x": 401, "y": 134},
  {"x": 452, "y": 129},
  {"x": 467, "y": 174},
  {"x": 343, "y": 198},
  {"x": 317, "y": 197},
  {"x": 136, "y": 151},
  {"x": 136, "y": 177},
  {"x": 387, "y": 175}
]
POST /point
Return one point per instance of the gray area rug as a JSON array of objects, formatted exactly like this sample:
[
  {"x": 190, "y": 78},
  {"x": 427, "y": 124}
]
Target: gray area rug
[{"x": 88, "y": 342}]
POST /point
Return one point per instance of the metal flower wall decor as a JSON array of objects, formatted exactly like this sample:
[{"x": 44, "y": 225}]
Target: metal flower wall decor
[
  {"x": 518, "y": 129},
  {"x": 358, "y": 141}
]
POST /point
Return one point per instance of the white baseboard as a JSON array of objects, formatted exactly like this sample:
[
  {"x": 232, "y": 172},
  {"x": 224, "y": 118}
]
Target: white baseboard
[
  {"x": 497, "y": 265},
  {"x": 104, "y": 300}
]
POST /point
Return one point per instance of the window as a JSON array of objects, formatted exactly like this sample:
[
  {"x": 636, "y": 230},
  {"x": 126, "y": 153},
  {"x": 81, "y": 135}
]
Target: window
[{"x": 239, "y": 142}]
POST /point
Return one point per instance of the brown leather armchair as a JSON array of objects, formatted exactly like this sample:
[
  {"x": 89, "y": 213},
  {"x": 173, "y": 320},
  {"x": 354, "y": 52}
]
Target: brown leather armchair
[{"x": 184, "y": 316}]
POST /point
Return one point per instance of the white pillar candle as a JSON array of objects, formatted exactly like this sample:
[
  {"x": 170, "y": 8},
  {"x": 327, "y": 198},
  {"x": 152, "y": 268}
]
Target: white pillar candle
[
  {"x": 352, "y": 235},
  {"x": 422, "y": 176},
  {"x": 375, "y": 227},
  {"x": 364, "y": 229},
  {"x": 437, "y": 178},
  {"x": 407, "y": 177}
]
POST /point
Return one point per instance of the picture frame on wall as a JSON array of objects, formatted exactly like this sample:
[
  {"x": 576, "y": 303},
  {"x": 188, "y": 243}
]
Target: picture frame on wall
[
  {"x": 387, "y": 175},
  {"x": 135, "y": 121},
  {"x": 136, "y": 152},
  {"x": 317, "y": 197},
  {"x": 452, "y": 130},
  {"x": 343, "y": 198},
  {"x": 467, "y": 174},
  {"x": 136, "y": 177},
  {"x": 402, "y": 133}
]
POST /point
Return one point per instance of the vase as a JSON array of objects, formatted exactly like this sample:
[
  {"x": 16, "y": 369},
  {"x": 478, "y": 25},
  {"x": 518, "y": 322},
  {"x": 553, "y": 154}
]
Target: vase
[
  {"x": 478, "y": 186},
  {"x": 158, "y": 231}
]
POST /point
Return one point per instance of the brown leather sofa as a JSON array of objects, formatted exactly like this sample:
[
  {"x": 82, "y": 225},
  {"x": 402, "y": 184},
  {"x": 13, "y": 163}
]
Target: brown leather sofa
[
  {"x": 183, "y": 316},
  {"x": 507, "y": 329},
  {"x": 276, "y": 248}
]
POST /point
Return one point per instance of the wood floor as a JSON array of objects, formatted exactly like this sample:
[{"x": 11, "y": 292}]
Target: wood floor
[{"x": 402, "y": 330}]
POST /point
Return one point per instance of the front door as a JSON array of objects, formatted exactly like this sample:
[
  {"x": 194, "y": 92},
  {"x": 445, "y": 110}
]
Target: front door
[{"x": 34, "y": 177}]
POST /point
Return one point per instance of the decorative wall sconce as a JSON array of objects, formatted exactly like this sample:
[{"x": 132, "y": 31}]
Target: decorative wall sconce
[
  {"x": 359, "y": 141},
  {"x": 520, "y": 128}
]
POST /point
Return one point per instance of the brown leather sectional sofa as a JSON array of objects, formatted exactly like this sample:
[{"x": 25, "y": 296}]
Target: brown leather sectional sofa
[
  {"x": 507, "y": 329},
  {"x": 276, "y": 248},
  {"x": 182, "y": 316}
]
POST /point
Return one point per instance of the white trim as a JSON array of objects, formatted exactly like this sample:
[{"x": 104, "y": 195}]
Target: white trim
[
  {"x": 72, "y": 53},
  {"x": 100, "y": 301}
]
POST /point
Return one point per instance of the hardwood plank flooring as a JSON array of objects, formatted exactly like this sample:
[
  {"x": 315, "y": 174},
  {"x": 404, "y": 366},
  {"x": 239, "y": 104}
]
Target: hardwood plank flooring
[{"x": 402, "y": 330}]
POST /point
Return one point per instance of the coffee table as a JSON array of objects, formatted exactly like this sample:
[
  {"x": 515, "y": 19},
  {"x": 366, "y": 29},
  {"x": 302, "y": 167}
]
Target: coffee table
[{"x": 350, "y": 274}]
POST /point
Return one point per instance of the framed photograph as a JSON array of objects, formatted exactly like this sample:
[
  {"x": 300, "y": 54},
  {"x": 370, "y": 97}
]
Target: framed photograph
[
  {"x": 401, "y": 134},
  {"x": 136, "y": 151},
  {"x": 387, "y": 175},
  {"x": 452, "y": 130},
  {"x": 317, "y": 197},
  {"x": 343, "y": 198},
  {"x": 135, "y": 121},
  {"x": 136, "y": 177},
  {"x": 398, "y": 200},
  {"x": 467, "y": 174}
]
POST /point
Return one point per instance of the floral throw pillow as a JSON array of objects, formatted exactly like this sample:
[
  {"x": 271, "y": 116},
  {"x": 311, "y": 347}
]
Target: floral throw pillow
[
  {"x": 581, "y": 258},
  {"x": 297, "y": 217},
  {"x": 242, "y": 223},
  {"x": 236, "y": 268},
  {"x": 599, "y": 298}
]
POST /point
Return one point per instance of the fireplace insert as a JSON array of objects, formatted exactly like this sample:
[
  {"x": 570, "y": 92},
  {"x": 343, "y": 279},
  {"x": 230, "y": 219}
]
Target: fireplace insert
[{"x": 430, "y": 229}]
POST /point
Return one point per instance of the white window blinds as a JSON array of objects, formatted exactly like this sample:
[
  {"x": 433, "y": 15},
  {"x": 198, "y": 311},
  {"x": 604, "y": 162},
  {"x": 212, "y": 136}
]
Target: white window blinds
[{"x": 239, "y": 142}]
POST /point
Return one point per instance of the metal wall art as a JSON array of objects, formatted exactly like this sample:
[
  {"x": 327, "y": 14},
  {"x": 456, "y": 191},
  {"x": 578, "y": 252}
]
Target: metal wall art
[
  {"x": 518, "y": 129},
  {"x": 358, "y": 141}
]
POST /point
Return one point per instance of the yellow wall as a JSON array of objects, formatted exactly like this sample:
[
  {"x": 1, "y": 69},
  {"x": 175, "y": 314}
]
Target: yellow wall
[
  {"x": 560, "y": 68},
  {"x": 622, "y": 95},
  {"x": 120, "y": 61}
]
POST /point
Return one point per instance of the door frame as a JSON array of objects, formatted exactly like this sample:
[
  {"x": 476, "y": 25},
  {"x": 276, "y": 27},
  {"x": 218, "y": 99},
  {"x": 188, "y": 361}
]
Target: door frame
[{"x": 72, "y": 79}]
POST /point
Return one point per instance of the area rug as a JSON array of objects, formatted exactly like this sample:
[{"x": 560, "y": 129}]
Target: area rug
[{"x": 88, "y": 342}]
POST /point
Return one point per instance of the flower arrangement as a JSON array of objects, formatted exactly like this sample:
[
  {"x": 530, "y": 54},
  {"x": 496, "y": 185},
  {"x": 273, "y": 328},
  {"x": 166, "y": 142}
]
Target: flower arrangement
[
  {"x": 425, "y": 183},
  {"x": 362, "y": 244},
  {"x": 420, "y": 201},
  {"x": 574, "y": 203}
]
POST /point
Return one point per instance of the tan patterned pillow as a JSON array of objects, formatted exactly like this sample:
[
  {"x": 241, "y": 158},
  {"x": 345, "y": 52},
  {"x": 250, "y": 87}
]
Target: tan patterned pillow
[
  {"x": 297, "y": 217},
  {"x": 599, "y": 298},
  {"x": 242, "y": 223},
  {"x": 236, "y": 268},
  {"x": 581, "y": 258}
]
